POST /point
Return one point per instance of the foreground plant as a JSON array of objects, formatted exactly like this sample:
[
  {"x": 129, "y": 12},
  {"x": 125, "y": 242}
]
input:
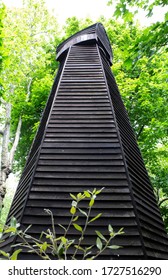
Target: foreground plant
[{"x": 56, "y": 247}]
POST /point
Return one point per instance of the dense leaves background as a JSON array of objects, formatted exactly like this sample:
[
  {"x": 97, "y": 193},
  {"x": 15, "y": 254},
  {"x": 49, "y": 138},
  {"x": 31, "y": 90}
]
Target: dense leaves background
[{"x": 28, "y": 67}]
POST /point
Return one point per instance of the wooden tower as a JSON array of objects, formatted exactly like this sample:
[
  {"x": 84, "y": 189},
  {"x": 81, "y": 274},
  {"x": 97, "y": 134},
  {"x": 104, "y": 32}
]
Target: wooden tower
[{"x": 85, "y": 140}]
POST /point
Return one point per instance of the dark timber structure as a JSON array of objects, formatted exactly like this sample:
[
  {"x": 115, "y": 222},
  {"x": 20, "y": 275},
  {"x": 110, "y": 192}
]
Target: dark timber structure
[{"x": 85, "y": 140}]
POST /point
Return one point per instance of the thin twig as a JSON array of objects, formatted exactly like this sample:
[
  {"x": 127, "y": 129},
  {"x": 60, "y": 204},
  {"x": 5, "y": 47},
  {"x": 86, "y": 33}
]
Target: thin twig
[{"x": 83, "y": 232}]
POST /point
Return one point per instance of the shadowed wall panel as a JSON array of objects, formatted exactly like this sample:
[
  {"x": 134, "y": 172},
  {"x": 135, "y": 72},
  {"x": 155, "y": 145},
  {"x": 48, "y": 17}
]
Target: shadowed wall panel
[{"x": 84, "y": 141}]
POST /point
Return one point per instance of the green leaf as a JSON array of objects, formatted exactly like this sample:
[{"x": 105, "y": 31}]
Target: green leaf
[
  {"x": 166, "y": 16},
  {"x": 13, "y": 222},
  {"x": 41, "y": 235},
  {"x": 83, "y": 212},
  {"x": 28, "y": 236},
  {"x": 99, "y": 191},
  {"x": 57, "y": 239},
  {"x": 64, "y": 240},
  {"x": 91, "y": 203},
  {"x": 79, "y": 195},
  {"x": 17, "y": 225},
  {"x": 79, "y": 248},
  {"x": 87, "y": 194},
  {"x": 114, "y": 247},
  {"x": 90, "y": 259},
  {"x": 100, "y": 235},
  {"x": 110, "y": 2},
  {"x": 15, "y": 254},
  {"x": 88, "y": 253},
  {"x": 94, "y": 191},
  {"x": 44, "y": 246},
  {"x": 69, "y": 243},
  {"x": 128, "y": 63},
  {"x": 73, "y": 196},
  {"x": 73, "y": 210},
  {"x": 112, "y": 234},
  {"x": 77, "y": 227},
  {"x": 11, "y": 229},
  {"x": 61, "y": 248},
  {"x": 121, "y": 231},
  {"x": 110, "y": 228},
  {"x": 99, "y": 243},
  {"x": 75, "y": 219},
  {"x": 88, "y": 248},
  {"x": 1, "y": 228},
  {"x": 48, "y": 236},
  {"x": 95, "y": 218},
  {"x": 4, "y": 254}
]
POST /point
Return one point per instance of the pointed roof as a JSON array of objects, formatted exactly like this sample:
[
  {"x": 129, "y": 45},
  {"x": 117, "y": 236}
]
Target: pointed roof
[{"x": 95, "y": 32}]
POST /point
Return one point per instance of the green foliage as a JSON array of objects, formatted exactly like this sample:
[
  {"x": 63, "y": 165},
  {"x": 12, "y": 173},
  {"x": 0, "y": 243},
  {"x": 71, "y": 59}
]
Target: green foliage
[
  {"x": 49, "y": 244},
  {"x": 28, "y": 67},
  {"x": 2, "y": 15},
  {"x": 73, "y": 25},
  {"x": 6, "y": 205},
  {"x": 123, "y": 6}
]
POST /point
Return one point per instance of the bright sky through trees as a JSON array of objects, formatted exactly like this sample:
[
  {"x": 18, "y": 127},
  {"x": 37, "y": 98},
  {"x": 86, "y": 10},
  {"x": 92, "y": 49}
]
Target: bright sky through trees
[{"x": 87, "y": 8}]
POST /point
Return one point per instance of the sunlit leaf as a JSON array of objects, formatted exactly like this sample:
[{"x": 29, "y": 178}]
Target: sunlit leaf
[
  {"x": 79, "y": 248},
  {"x": 110, "y": 228},
  {"x": 83, "y": 212},
  {"x": 75, "y": 219},
  {"x": 77, "y": 227},
  {"x": 100, "y": 235},
  {"x": 73, "y": 196},
  {"x": 99, "y": 191},
  {"x": 73, "y": 210},
  {"x": 4, "y": 253},
  {"x": 99, "y": 243},
  {"x": 87, "y": 194},
  {"x": 95, "y": 218},
  {"x": 44, "y": 246},
  {"x": 64, "y": 240},
  {"x": 114, "y": 247},
  {"x": 91, "y": 203},
  {"x": 15, "y": 254}
]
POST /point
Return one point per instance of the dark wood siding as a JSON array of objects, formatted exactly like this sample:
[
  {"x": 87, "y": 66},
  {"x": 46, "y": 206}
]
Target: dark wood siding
[{"x": 151, "y": 223}]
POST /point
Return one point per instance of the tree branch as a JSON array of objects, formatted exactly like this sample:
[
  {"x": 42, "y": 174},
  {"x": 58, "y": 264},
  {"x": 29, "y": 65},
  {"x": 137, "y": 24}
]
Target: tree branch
[
  {"x": 163, "y": 200},
  {"x": 157, "y": 193},
  {"x": 2, "y": 101},
  {"x": 28, "y": 89},
  {"x": 15, "y": 143},
  {"x": 140, "y": 131}
]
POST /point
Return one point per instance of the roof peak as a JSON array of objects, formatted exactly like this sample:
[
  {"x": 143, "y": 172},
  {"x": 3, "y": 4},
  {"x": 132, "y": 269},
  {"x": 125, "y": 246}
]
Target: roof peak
[{"x": 95, "y": 32}]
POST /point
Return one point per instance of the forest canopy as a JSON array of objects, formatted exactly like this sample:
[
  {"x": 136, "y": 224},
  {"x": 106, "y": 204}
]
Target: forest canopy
[{"x": 29, "y": 37}]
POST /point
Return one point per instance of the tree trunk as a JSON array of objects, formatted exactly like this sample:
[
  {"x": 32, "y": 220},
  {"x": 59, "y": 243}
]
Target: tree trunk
[
  {"x": 5, "y": 171},
  {"x": 15, "y": 144},
  {"x": 7, "y": 157}
]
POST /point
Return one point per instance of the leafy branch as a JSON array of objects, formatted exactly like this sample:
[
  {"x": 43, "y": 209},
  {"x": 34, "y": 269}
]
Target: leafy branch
[{"x": 57, "y": 247}]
